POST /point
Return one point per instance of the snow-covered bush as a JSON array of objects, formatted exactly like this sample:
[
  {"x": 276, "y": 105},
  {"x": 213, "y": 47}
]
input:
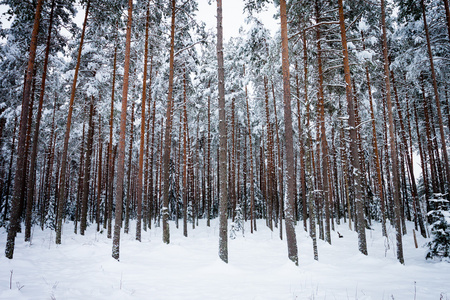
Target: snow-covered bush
[{"x": 439, "y": 246}]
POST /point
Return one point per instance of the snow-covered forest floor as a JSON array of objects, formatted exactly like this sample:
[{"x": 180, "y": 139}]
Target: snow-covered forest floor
[{"x": 189, "y": 268}]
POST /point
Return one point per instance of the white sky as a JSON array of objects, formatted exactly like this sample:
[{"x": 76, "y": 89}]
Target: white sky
[{"x": 234, "y": 16}]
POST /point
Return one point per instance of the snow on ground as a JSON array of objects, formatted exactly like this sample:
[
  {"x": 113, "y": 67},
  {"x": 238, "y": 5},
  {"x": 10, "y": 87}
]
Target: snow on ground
[{"x": 189, "y": 268}]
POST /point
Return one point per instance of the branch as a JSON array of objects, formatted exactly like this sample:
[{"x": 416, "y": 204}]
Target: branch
[
  {"x": 189, "y": 47},
  {"x": 312, "y": 26}
]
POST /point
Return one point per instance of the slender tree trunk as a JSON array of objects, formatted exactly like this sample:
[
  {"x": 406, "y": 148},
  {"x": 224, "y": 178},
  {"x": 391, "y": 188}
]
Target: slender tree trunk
[
  {"x": 300, "y": 133},
  {"x": 289, "y": 143},
  {"x": 32, "y": 171},
  {"x": 87, "y": 169},
  {"x": 141, "y": 146},
  {"x": 252, "y": 187},
  {"x": 121, "y": 150},
  {"x": 185, "y": 160},
  {"x": 208, "y": 166},
  {"x": 27, "y": 151},
  {"x": 130, "y": 171},
  {"x": 362, "y": 245},
  {"x": 436, "y": 92},
  {"x": 392, "y": 139},
  {"x": 409, "y": 162},
  {"x": 168, "y": 135},
  {"x": 223, "y": 194},
  {"x": 422, "y": 158},
  {"x": 99, "y": 174},
  {"x": 110, "y": 168},
  {"x": 447, "y": 14},
  {"x": 49, "y": 172},
  {"x": 310, "y": 166},
  {"x": 79, "y": 187},
  {"x": 270, "y": 163},
  {"x": 279, "y": 168},
  {"x": 151, "y": 191},
  {"x": 375, "y": 149},
  {"x": 111, "y": 196},
  {"x": 232, "y": 161},
  {"x": 324, "y": 144},
  {"x": 19, "y": 182},
  {"x": 62, "y": 177},
  {"x": 11, "y": 160}
]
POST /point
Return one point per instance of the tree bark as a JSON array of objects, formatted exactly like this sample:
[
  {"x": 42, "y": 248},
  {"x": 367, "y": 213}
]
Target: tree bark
[
  {"x": 362, "y": 245},
  {"x": 325, "y": 162},
  {"x": 375, "y": 149},
  {"x": 130, "y": 171},
  {"x": 87, "y": 169},
  {"x": 223, "y": 194},
  {"x": 185, "y": 161},
  {"x": 289, "y": 143},
  {"x": 168, "y": 135},
  {"x": 19, "y": 182},
  {"x": 252, "y": 186},
  {"x": 110, "y": 168},
  {"x": 447, "y": 14},
  {"x": 141, "y": 146},
  {"x": 392, "y": 139},
  {"x": 414, "y": 191},
  {"x": 62, "y": 177},
  {"x": 100, "y": 174},
  {"x": 436, "y": 94},
  {"x": 32, "y": 170},
  {"x": 121, "y": 150},
  {"x": 208, "y": 166}
]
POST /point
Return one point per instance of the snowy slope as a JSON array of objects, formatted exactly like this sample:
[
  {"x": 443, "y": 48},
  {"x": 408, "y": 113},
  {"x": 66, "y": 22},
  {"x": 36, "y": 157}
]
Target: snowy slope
[{"x": 189, "y": 268}]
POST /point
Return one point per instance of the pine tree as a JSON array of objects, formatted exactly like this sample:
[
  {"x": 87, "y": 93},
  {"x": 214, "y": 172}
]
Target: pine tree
[
  {"x": 222, "y": 170},
  {"x": 289, "y": 143},
  {"x": 121, "y": 150},
  {"x": 19, "y": 182}
]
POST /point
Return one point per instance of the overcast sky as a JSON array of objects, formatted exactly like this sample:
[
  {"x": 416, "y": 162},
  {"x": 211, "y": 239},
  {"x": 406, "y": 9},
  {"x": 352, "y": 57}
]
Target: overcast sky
[{"x": 233, "y": 16}]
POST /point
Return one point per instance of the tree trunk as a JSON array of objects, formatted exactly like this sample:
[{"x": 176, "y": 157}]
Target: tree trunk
[
  {"x": 375, "y": 149},
  {"x": 168, "y": 135},
  {"x": 49, "y": 172},
  {"x": 289, "y": 143},
  {"x": 271, "y": 188},
  {"x": 447, "y": 14},
  {"x": 223, "y": 194},
  {"x": 32, "y": 171},
  {"x": 130, "y": 171},
  {"x": 110, "y": 168},
  {"x": 151, "y": 191},
  {"x": 436, "y": 92},
  {"x": 99, "y": 174},
  {"x": 141, "y": 146},
  {"x": 409, "y": 162},
  {"x": 325, "y": 164},
  {"x": 392, "y": 139},
  {"x": 252, "y": 187},
  {"x": 62, "y": 178},
  {"x": 79, "y": 187},
  {"x": 185, "y": 160},
  {"x": 300, "y": 134},
  {"x": 121, "y": 150},
  {"x": 87, "y": 169},
  {"x": 11, "y": 160},
  {"x": 362, "y": 245},
  {"x": 208, "y": 166},
  {"x": 19, "y": 182}
]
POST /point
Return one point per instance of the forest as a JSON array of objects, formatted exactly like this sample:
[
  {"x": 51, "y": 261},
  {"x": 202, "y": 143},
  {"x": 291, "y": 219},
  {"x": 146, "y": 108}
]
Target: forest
[{"x": 144, "y": 117}]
